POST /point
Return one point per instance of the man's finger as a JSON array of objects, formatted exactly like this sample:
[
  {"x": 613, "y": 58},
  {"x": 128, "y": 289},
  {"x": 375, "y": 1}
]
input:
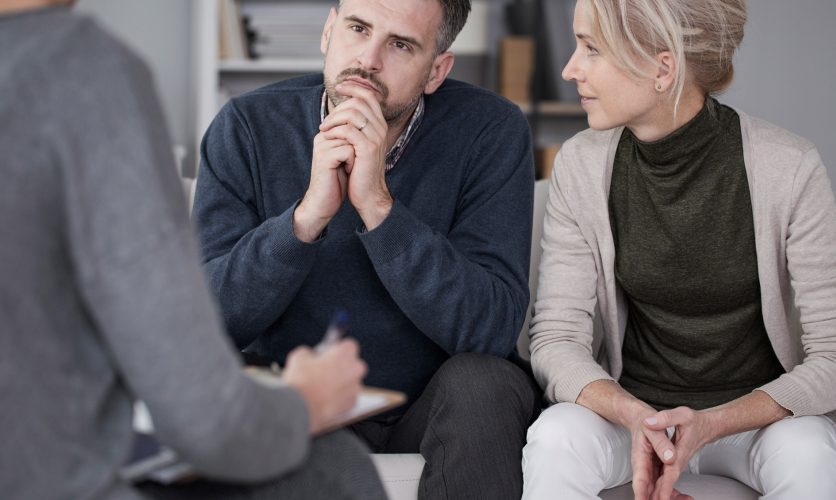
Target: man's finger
[{"x": 368, "y": 97}]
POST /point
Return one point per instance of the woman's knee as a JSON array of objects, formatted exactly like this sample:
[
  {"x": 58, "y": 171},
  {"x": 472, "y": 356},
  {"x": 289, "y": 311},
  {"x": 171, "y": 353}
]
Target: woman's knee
[
  {"x": 797, "y": 453},
  {"x": 570, "y": 430}
]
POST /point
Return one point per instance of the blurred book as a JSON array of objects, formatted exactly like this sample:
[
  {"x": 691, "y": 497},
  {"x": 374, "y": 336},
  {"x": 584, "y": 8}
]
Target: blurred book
[
  {"x": 516, "y": 66},
  {"x": 288, "y": 29},
  {"x": 232, "y": 39}
]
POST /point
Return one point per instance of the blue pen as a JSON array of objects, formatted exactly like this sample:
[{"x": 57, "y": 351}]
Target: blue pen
[{"x": 336, "y": 330}]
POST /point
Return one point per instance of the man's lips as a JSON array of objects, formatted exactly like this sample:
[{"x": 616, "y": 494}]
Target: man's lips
[{"x": 356, "y": 80}]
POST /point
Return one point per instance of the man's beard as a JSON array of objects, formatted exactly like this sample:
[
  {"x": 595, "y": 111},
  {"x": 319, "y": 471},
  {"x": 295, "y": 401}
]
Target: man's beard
[{"x": 391, "y": 111}]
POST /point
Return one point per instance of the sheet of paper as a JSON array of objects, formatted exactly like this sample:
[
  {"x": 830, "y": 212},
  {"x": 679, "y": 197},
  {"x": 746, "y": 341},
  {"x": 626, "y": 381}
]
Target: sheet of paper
[{"x": 365, "y": 402}]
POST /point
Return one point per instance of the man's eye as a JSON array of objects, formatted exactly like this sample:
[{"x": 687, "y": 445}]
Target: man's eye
[
  {"x": 401, "y": 45},
  {"x": 357, "y": 28}
]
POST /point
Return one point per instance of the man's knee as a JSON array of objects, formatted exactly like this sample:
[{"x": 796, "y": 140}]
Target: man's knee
[
  {"x": 342, "y": 463},
  {"x": 484, "y": 381},
  {"x": 340, "y": 444}
]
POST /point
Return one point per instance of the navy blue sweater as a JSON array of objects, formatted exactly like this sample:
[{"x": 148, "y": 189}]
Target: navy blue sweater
[{"x": 445, "y": 273}]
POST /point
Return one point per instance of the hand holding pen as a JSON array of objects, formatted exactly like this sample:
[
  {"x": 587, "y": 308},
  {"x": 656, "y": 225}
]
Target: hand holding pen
[
  {"x": 329, "y": 377},
  {"x": 336, "y": 331}
]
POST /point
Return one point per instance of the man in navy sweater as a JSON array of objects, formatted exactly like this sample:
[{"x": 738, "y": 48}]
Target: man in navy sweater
[{"x": 383, "y": 190}]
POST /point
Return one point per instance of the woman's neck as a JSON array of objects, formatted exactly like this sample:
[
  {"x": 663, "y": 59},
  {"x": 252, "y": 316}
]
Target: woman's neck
[{"x": 666, "y": 119}]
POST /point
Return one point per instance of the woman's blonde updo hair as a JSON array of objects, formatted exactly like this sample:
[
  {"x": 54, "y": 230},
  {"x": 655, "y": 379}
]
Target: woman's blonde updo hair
[{"x": 703, "y": 33}]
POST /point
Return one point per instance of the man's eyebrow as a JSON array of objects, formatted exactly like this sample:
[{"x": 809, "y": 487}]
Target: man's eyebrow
[{"x": 408, "y": 39}]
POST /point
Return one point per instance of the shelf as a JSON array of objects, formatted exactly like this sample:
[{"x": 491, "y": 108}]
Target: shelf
[
  {"x": 555, "y": 108},
  {"x": 274, "y": 65}
]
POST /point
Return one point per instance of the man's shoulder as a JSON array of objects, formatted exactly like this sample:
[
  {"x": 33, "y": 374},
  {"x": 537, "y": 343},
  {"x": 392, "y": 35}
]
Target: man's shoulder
[
  {"x": 289, "y": 93},
  {"x": 470, "y": 103},
  {"x": 299, "y": 84}
]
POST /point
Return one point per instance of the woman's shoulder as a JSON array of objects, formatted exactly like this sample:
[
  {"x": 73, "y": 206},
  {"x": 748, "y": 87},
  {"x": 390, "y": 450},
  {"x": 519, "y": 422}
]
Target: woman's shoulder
[
  {"x": 767, "y": 136},
  {"x": 587, "y": 153},
  {"x": 774, "y": 153},
  {"x": 592, "y": 141}
]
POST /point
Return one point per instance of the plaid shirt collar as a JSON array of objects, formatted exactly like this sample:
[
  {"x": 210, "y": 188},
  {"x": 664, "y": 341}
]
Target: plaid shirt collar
[{"x": 397, "y": 150}]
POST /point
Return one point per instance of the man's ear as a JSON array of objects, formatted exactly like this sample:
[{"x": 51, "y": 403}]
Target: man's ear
[
  {"x": 326, "y": 31},
  {"x": 442, "y": 64},
  {"x": 666, "y": 68}
]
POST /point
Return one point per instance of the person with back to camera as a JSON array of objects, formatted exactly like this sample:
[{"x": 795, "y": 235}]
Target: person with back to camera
[
  {"x": 706, "y": 239},
  {"x": 103, "y": 299}
]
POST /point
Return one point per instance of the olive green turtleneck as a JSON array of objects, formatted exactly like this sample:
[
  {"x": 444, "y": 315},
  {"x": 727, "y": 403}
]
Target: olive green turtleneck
[{"x": 681, "y": 217}]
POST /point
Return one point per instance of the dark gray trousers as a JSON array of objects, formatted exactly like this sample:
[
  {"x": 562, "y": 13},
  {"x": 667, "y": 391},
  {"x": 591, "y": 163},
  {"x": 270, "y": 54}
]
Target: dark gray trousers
[
  {"x": 338, "y": 467},
  {"x": 469, "y": 424}
]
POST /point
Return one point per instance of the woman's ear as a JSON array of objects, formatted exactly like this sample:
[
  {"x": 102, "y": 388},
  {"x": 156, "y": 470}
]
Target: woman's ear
[{"x": 666, "y": 69}]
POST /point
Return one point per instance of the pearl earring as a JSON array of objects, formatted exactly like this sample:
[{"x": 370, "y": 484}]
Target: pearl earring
[{"x": 659, "y": 86}]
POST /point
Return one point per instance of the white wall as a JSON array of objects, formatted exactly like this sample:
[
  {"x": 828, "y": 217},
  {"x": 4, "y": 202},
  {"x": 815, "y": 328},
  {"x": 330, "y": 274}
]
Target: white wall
[
  {"x": 160, "y": 31},
  {"x": 786, "y": 70}
]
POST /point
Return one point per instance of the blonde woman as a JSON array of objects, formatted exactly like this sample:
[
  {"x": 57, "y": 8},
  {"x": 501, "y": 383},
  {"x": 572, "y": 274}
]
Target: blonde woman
[{"x": 705, "y": 241}]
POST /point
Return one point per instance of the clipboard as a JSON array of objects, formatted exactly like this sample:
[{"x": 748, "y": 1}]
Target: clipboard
[
  {"x": 370, "y": 401},
  {"x": 152, "y": 461}
]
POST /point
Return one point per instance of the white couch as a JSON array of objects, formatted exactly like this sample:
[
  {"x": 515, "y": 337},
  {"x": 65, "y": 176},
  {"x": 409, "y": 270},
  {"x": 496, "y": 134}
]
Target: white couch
[{"x": 402, "y": 472}]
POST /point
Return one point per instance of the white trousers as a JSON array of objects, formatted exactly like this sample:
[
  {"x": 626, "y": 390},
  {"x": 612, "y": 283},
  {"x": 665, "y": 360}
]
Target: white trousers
[{"x": 573, "y": 453}]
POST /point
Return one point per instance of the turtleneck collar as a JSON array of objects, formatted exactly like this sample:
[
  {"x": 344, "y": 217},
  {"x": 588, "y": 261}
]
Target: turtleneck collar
[{"x": 683, "y": 144}]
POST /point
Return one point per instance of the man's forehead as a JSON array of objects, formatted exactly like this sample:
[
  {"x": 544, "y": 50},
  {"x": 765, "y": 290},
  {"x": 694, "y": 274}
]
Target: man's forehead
[{"x": 414, "y": 18}]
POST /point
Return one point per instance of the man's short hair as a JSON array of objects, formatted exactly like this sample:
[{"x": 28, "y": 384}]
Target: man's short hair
[{"x": 455, "y": 14}]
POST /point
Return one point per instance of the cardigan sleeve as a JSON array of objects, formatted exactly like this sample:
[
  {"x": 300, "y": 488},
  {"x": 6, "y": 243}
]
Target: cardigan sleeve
[
  {"x": 807, "y": 389},
  {"x": 562, "y": 328}
]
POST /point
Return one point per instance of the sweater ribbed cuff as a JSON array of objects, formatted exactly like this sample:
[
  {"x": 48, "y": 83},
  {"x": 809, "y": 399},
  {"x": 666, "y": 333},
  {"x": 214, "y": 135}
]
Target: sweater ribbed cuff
[
  {"x": 393, "y": 236},
  {"x": 789, "y": 396},
  {"x": 286, "y": 247}
]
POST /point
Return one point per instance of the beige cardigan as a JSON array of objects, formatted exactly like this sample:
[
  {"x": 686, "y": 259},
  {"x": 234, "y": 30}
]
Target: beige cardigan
[{"x": 795, "y": 227}]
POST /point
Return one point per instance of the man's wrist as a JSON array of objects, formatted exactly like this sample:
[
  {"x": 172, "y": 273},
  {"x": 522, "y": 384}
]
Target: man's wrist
[
  {"x": 307, "y": 227},
  {"x": 375, "y": 212}
]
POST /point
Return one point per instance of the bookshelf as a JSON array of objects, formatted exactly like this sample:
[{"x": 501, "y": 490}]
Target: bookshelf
[{"x": 477, "y": 61}]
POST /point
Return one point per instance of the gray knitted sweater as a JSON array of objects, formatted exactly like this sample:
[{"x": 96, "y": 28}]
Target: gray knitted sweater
[{"x": 102, "y": 298}]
